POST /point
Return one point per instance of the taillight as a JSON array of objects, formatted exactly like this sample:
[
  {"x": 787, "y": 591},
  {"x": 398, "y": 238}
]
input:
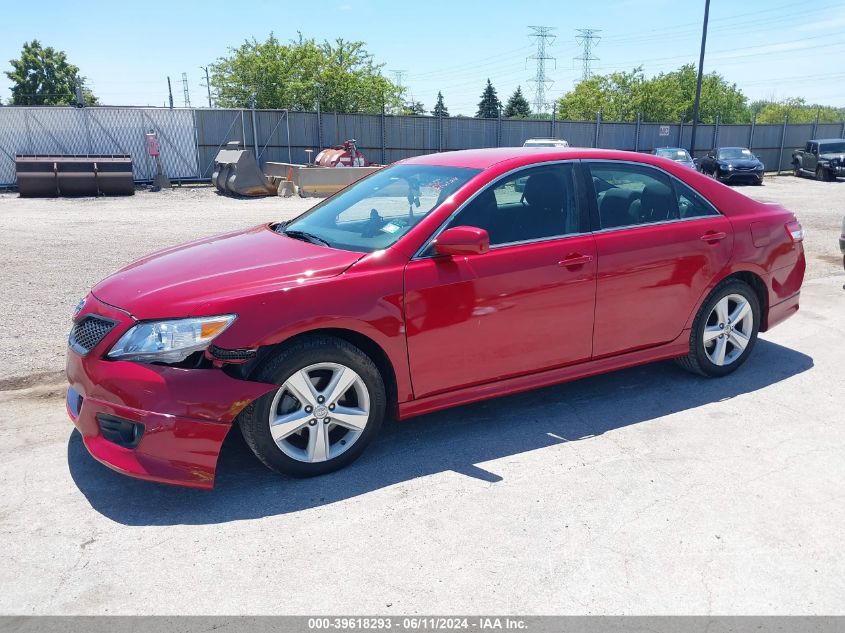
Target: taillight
[{"x": 795, "y": 231}]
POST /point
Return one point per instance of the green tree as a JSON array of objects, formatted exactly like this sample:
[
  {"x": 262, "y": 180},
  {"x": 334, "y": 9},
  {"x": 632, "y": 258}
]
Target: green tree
[
  {"x": 517, "y": 105},
  {"x": 665, "y": 97},
  {"x": 440, "y": 108},
  {"x": 43, "y": 76},
  {"x": 341, "y": 75},
  {"x": 488, "y": 107},
  {"x": 414, "y": 108},
  {"x": 798, "y": 110}
]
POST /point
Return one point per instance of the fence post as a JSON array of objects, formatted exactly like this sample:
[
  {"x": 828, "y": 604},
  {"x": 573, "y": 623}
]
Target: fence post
[
  {"x": 383, "y": 136},
  {"x": 499, "y": 127},
  {"x": 716, "y": 133},
  {"x": 243, "y": 129},
  {"x": 751, "y": 133},
  {"x": 842, "y": 133},
  {"x": 196, "y": 140},
  {"x": 637, "y": 133},
  {"x": 440, "y": 131},
  {"x": 554, "y": 121},
  {"x": 782, "y": 140},
  {"x": 287, "y": 129},
  {"x": 598, "y": 128},
  {"x": 254, "y": 127},
  {"x": 680, "y": 132},
  {"x": 816, "y": 124},
  {"x": 320, "y": 124}
]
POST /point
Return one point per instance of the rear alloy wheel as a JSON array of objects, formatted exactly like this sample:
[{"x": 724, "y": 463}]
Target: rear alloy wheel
[
  {"x": 724, "y": 331},
  {"x": 329, "y": 405}
]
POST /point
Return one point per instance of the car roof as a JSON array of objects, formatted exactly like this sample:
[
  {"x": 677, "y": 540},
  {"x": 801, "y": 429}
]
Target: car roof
[
  {"x": 672, "y": 148},
  {"x": 827, "y": 140},
  {"x": 733, "y": 147},
  {"x": 484, "y": 158}
]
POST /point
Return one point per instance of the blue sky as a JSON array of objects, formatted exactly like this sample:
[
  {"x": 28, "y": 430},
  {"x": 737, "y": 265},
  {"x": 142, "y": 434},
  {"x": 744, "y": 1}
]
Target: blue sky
[{"x": 771, "y": 49}]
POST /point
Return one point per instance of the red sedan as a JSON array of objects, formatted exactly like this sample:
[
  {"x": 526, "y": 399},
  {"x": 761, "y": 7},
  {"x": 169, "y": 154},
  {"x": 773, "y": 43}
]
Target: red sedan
[{"x": 441, "y": 280}]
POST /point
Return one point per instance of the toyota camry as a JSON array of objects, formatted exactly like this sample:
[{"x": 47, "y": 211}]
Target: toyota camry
[{"x": 438, "y": 281}]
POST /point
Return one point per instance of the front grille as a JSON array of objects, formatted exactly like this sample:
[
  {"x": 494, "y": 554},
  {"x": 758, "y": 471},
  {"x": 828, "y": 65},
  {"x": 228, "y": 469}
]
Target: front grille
[{"x": 88, "y": 332}]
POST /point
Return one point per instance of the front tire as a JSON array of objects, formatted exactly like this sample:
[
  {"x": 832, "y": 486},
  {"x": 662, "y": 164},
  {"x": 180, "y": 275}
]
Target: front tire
[
  {"x": 796, "y": 170},
  {"x": 821, "y": 174},
  {"x": 724, "y": 331},
  {"x": 329, "y": 406}
]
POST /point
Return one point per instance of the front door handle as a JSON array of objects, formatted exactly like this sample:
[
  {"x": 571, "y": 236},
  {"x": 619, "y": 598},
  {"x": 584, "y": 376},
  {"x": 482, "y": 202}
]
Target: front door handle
[
  {"x": 714, "y": 236},
  {"x": 576, "y": 259}
]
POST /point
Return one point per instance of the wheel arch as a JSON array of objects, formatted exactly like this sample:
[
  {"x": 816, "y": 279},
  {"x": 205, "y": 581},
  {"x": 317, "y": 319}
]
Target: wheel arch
[
  {"x": 753, "y": 279},
  {"x": 367, "y": 345}
]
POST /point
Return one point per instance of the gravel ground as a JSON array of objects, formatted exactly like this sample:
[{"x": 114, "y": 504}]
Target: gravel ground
[{"x": 55, "y": 250}]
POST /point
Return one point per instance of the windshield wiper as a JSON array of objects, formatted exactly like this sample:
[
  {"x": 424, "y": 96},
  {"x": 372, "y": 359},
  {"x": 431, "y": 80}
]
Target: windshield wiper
[{"x": 306, "y": 237}]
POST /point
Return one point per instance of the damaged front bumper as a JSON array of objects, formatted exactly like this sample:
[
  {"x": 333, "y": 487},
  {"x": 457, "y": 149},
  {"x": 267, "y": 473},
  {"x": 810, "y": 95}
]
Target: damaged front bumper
[{"x": 154, "y": 422}]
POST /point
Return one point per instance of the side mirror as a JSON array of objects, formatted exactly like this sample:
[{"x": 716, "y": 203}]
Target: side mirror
[{"x": 462, "y": 240}]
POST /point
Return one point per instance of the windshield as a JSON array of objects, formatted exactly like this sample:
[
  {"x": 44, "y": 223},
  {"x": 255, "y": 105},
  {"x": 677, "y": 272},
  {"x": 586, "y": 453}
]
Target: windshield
[
  {"x": 727, "y": 153},
  {"x": 674, "y": 154},
  {"x": 376, "y": 211},
  {"x": 832, "y": 148}
]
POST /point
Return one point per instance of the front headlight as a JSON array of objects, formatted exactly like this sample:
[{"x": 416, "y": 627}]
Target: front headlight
[{"x": 169, "y": 341}]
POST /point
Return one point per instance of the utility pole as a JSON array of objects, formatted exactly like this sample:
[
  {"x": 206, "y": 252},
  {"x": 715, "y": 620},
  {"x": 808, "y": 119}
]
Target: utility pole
[
  {"x": 543, "y": 36},
  {"x": 698, "y": 79},
  {"x": 207, "y": 84},
  {"x": 585, "y": 38},
  {"x": 169, "y": 93},
  {"x": 185, "y": 90}
]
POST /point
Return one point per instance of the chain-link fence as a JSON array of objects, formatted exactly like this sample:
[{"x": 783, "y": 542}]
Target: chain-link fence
[{"x": 190, "y": 138}]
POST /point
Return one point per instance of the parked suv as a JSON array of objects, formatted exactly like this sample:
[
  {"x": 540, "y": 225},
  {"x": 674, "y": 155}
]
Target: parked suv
[{"x": 824, "y": 158}]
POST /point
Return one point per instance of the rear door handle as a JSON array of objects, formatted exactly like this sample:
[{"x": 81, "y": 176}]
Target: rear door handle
[
  {"x": 571, "y": 261},
  {"x": 714, "y": 236}
]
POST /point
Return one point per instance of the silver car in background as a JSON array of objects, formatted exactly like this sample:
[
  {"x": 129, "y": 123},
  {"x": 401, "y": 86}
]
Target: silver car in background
[
  {"x": 545, "y": 142},
  {"x": 677, "y": 154}
]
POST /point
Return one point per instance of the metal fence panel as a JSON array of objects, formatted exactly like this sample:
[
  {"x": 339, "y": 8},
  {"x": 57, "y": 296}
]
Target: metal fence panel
[
  {"x": 797, "y": 135},
  {"x": 86, "y": 131},
  {"x": 190, "y": 139},
  {"x": 829, "y": 130},
  {"x": 617, "y": 135}
]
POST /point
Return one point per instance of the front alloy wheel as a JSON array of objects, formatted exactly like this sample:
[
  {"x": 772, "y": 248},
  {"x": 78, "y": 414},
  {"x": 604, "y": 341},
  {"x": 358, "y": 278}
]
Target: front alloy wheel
[
  {"x": 329, "y": 405},
  {"x": 319, "y": 412}
]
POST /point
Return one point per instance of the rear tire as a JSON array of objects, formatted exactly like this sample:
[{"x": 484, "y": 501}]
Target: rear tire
[
  {"x": 717, "y": 346},
  {"x": 312, "y": 375}
]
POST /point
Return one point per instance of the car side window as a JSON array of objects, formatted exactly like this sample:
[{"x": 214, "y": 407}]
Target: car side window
[
  {"x": 630, "y": 195},
  {"x": 533, "y": 204},
  {"x": 690, "y": 203}
]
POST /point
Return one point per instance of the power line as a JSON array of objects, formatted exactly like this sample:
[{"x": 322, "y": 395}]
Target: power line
[
  {"x": 585, "y": 39},
  {"x": 543, "y": 36}
]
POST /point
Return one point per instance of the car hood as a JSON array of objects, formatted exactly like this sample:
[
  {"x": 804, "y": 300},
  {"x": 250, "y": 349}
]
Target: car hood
[
  {"x": 832, "y": 155},
  {"x": 740, "y": 162},
  {"x": 191, "y": 279}
]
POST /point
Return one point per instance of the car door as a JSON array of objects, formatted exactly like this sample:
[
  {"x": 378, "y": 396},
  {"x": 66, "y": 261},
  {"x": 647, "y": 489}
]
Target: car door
[
  {"x": 812, "y": 157},
  {"x": 525, "y": 305},
  {"x": 659, "y": 244}
]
